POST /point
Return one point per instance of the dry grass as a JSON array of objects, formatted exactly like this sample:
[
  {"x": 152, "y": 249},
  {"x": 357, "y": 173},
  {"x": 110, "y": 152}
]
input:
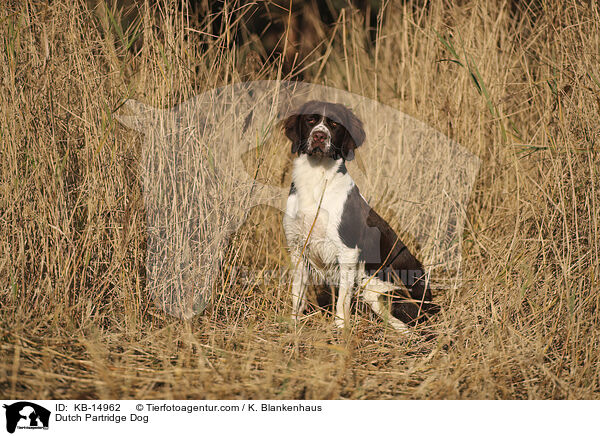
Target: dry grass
[{"x": 522, "y": 91}]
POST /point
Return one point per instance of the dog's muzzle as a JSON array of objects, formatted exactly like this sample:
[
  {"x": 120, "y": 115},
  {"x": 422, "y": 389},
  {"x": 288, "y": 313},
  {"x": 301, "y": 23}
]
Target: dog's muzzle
[{"x": 319, "y": 141}]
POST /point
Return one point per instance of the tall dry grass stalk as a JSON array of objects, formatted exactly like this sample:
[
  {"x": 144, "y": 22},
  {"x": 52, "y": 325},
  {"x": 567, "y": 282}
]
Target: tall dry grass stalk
[{"x": 518, "y": 87}]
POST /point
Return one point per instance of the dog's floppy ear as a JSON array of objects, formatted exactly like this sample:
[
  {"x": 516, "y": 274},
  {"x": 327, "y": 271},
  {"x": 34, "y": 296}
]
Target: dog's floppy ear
[
  {"x": 355, "y": 135},
  {"x": 292, "y": 131}
]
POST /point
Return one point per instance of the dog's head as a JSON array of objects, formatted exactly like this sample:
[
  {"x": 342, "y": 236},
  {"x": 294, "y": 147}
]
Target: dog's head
[{"x": 320, "y": 128}]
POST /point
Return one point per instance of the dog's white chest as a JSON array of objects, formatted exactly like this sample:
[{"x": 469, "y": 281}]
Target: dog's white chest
[{"x": 314, "y": 210}]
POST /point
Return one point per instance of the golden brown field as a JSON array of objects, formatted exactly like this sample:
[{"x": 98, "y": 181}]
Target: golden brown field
[{"x": 518, "y": 86}]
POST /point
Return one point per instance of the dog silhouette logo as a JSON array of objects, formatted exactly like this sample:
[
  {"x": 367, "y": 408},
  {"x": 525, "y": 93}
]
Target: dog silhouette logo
[{"x": 26, "y": 415}]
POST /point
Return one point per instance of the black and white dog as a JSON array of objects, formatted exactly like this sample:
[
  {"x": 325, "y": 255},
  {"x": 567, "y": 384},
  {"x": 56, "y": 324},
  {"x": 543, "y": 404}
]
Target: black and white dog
[{"x": 331, "y": 231}]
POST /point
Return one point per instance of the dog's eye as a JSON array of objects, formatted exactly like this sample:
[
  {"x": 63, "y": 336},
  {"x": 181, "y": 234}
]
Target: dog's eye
[
  {"x": 311, "y": 120},
  {"x": 333, "y": 124}
]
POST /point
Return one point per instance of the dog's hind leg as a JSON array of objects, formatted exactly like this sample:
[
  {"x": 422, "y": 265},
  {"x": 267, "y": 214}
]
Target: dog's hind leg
[{"x": 373, "y": 288}]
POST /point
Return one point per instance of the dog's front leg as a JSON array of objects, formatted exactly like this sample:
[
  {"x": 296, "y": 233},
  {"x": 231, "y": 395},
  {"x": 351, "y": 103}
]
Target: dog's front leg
[
  {"x": 299, "y": 283},
  {"x": 347, "y": 280}
]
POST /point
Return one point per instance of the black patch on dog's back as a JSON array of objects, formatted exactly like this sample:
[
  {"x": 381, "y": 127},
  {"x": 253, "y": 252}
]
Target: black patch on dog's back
[
  {"x": 360, "y": 226},
  {"x": 386, "y": 255},
  {"x": 354, "y": 222}
]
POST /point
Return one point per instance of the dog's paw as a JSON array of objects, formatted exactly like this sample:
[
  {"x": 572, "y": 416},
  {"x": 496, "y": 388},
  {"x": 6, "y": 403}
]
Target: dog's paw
[
  {"x": 399, "y": 326},
  {"x": 340, "y": 323}
]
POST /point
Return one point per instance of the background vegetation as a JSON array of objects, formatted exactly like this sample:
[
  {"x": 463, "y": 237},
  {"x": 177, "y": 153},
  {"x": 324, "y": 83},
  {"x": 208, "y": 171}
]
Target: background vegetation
[{"x": 516, "y": 84}]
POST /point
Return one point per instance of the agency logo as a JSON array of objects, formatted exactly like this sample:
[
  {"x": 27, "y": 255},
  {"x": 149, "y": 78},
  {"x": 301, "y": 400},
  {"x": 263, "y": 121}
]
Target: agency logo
[
  {"x": 207, "y": 162},
  {"x": 26, "y": 415}
]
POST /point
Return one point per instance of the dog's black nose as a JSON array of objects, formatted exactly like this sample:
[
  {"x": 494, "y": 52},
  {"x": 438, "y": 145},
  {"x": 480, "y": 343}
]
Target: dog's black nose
[{"x": 319, "y": 137}]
